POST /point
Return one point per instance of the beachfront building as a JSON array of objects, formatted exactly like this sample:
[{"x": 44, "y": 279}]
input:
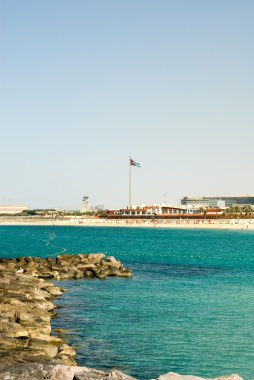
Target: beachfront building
[
  {"x": 149, "y": 210},
  {"x": 222, "y": 202},
  {"x": 12, "y": 209}
]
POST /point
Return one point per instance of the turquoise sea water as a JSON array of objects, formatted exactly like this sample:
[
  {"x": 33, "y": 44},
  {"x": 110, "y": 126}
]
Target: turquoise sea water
[{"x": 189, "y": 307}]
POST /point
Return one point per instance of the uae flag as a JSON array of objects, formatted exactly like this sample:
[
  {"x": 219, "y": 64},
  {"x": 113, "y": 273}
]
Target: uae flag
[{"x": 134, "y": 163}]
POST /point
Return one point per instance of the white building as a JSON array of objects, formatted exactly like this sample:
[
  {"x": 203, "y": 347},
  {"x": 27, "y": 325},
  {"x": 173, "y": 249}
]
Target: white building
[
  {"x": 12, "y": 209},
  {"x": 221, "y": 201},
  {"x": 161, "y": 209}
]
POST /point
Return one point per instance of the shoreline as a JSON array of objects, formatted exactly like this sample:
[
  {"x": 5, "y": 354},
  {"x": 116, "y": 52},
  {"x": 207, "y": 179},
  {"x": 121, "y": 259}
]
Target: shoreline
[{"x": 221, "y": 224}]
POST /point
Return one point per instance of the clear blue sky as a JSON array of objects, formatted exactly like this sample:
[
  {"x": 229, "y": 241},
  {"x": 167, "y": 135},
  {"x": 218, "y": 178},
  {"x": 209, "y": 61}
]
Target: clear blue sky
[{"x": 84, "y": 84}]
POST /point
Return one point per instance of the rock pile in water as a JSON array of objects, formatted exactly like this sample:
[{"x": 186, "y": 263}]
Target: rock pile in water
[{"x": 68, "y": 266}]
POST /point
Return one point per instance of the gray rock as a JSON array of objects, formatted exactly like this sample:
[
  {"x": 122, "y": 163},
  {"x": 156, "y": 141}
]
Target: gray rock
[
  {"x": 117, "y": 375},
  {"x": 63, "y": 372},
  {"x": 229, "y": 377},
  {"x": 177, "y": 376},
  {"x": 27, "y": 371},
  {"x": 32, "y": 373}
]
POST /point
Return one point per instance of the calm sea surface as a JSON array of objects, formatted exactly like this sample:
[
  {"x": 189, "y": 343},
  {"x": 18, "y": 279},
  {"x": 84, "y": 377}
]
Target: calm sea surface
[{"x": 189, "y": 307}]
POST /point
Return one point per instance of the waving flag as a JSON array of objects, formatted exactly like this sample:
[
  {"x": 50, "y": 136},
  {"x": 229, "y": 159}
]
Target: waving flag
[{"x": 134, "y": 163}]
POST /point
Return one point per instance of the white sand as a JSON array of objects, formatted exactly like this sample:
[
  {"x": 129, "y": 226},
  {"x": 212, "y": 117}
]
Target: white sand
[{"x": 239, "y": 224}]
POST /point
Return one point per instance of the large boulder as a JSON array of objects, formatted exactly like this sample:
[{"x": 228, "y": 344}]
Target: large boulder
[
  {"x": 124, "y": 273},
  {"x": 89, "y": 273},
  {"x": 86, "y": 267},
  {"x": 78, "y": 274},
  {"x": 26, "y": 371},
  {"x": 10, "y": 311},
  {"x": 25, "y": 318},
  {"x": 117, "y": 375},
  {"x": 47, "y": 348},
  {"x": 66, "y": 350},
  {"x": 54, "y": 291},
  {"x": 38, "y": 329},
  {"x": 96, "y": 257},
  {"x": 13, "y": 330},
  {"x": 177, "y": 376},
  {"x": 7, "y": 343},
  {"x": 52, "y": 371},
  {"x": 62, "y": 372}
]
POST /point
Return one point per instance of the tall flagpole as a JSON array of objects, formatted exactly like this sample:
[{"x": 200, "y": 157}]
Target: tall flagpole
[{"x": 129, "y": 183}]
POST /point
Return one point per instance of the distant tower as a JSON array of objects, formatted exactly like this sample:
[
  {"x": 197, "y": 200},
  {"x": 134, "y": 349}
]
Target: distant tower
[{"x": 85, "y": 204}]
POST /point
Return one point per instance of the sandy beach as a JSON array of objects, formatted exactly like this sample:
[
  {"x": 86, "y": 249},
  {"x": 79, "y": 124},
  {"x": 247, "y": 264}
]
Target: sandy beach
[{"x": 224, "y": 224}]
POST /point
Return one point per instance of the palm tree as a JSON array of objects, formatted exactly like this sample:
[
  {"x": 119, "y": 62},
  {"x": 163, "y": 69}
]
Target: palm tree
[
  {"x": 248, "y": 211},
  {"x": 237, "y": 211},
  {"x": 203, "y": 211},
  {"x": 225, "y": 213},
  {"x": 228, "y": 212}
]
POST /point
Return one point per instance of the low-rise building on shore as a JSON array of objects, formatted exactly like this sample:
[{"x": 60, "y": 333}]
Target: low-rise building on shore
[
  {"x": 164, "y": 212},
  {"x": 149, "y": 210},
  {"x": 222, "y": 202},
  {"x": 12, "y": 209}
]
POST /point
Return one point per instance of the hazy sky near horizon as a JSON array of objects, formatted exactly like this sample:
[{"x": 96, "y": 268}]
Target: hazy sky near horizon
[{"x": 87, "y": 83}]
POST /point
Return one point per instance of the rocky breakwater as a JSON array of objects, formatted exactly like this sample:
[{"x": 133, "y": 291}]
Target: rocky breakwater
[
  {"x": 26, "y": 304},
  {"x": 27, "y": 349},
  {"x": 68, "y": 266}
]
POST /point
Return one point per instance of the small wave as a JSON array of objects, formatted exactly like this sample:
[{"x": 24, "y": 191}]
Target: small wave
[{"x": 48, "y": 242}]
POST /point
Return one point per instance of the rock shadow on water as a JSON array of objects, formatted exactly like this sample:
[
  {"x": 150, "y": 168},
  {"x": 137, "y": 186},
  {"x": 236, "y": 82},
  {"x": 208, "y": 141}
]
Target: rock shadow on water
[{"x": 180, "y": 270}]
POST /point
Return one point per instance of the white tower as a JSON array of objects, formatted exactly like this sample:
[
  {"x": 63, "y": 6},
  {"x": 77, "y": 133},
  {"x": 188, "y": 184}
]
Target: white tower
[{"x": 85, "y": 204}]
